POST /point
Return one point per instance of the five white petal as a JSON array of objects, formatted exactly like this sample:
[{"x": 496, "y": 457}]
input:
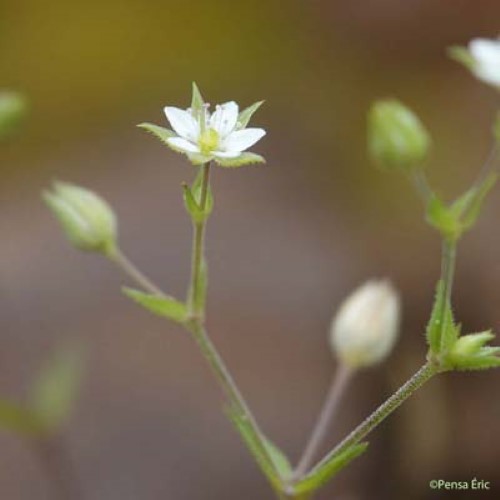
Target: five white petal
[{"x": 224, "y": 121}]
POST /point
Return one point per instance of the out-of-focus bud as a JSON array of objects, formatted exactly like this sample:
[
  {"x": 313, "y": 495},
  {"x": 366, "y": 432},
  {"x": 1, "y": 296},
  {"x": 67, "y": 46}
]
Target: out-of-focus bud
[
  {"x": 365, "y": 328},
  {"x": 13, "y": 109},
  {"x": 87, "y": 220},
  {"x": 396, "y": 137}
]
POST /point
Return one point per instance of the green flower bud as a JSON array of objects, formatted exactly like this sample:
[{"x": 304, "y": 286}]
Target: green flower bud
[
  {"x": 366, "y": 326},
  {"x": 396, "y": 137},
  {"x": 13, "y": 109},
  {"x": 87, "y": 220}
]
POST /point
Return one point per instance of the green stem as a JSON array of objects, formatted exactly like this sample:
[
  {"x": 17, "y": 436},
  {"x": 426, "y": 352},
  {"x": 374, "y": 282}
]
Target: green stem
[
  {"x": 382, "y": 412},
  {"x": 196, "y": 307},
  {"x": 195, "y": 299},
  {"x": 448, "y": 263},
  {"x": 119, "y": 258}
]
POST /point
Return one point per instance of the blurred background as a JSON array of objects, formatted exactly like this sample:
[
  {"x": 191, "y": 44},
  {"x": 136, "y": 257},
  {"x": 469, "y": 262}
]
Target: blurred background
[{"x": 287, "y": 241}]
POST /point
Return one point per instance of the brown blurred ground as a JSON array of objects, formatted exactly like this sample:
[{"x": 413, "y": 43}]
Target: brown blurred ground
[{"x": 286, "y": 243}]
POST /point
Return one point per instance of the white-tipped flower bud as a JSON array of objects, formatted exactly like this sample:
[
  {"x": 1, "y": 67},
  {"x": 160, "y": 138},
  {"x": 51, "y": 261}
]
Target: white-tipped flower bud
[
  {"x": 365, "y": 328},
  {"x": 87, "y": 220}
]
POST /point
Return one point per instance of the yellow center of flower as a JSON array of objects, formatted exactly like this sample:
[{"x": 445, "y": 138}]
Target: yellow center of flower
[{"x": 208, "y": 140}]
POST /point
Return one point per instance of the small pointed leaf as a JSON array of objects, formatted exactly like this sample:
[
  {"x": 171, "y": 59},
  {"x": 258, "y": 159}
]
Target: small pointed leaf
[
  {"x": 441, "y": 332},
  {"x": 164, "y": 306},
  {"x": 269, "y": 458},
  {"x": 473, "y": 209},
  {"x": 328, "y": 468}
]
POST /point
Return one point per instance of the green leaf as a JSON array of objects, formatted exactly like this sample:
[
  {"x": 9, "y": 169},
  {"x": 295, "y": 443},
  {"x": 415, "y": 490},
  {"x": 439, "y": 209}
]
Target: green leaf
[
  {"x": 280, "y": 460},
  {"x": 436, "y": 330},
  {"x": 56, "y": 389},
  {"x": 470, "y": 352},
  {"x": 15, "y": 418},
  {"x": 239, "y": 161},
  {"x": 328, "y": 468},
  {"x": 461, "y": 55},
  {"x": 192, "y": 207},
  {"x": 197, "y": 192},
  {"x": 477, "y": 197},
  {"x": 197, "y": 101},
  {"x": 269, "y": 458},
  {"x": 245, "y": 116},
  {"x": 164, "y": 306},
  {"x": 192, "y": 199},
  {"x": 442, "y": 218},
  {"x": 161, "y": 133}
]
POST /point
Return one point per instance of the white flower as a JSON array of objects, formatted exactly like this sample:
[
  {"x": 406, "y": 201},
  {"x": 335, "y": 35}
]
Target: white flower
[
  {"x": 365, "y": 328},
  {"x": 485, "y": 65},
  {"x": 219, "y": 136}
]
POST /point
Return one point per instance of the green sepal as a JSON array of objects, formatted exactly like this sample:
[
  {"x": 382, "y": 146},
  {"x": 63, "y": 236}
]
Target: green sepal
[
  {"x": 441, "y": 337},
  {"x": 161, "y": 133},
  {"x": 197, "y": 101},
  {"x": 328, "y": 468},
  {"x": 461, "y": 55},
  {"x": 164, "y": 306},
  {"x": 470, "y": 352},
  {"x": 246, "y": 115},
  {"x": 196, "y": 158},
  {"x": 271, "y": 460},
  {"x": 16, "y": 418},
  {"x": 240, "y": 161},
  {"x": 57, "y": 387}
]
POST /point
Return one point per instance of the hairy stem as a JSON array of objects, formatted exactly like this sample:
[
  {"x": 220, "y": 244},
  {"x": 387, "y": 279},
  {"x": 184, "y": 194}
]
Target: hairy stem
[
  {"x": 383, "y": 411},
  {"x": 448, "y": 262},
  {"x": 330, "y": 408}
]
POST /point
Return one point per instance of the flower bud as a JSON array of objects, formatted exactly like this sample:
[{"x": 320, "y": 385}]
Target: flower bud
[
  {"x": 396, "y": 137},
  {"x": 365, "y": 328},
  {"x": 12, "y": 110},
  {"x": 87, "y": 220}
]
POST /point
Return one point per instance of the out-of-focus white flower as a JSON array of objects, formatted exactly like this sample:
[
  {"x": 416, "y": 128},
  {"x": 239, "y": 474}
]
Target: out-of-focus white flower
[
  {"x": 482, "y": 57},
  {"x": 217, "y": 136},
  {"x": 486, "y": 55},
  {"x": 365, "y": 328}
]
